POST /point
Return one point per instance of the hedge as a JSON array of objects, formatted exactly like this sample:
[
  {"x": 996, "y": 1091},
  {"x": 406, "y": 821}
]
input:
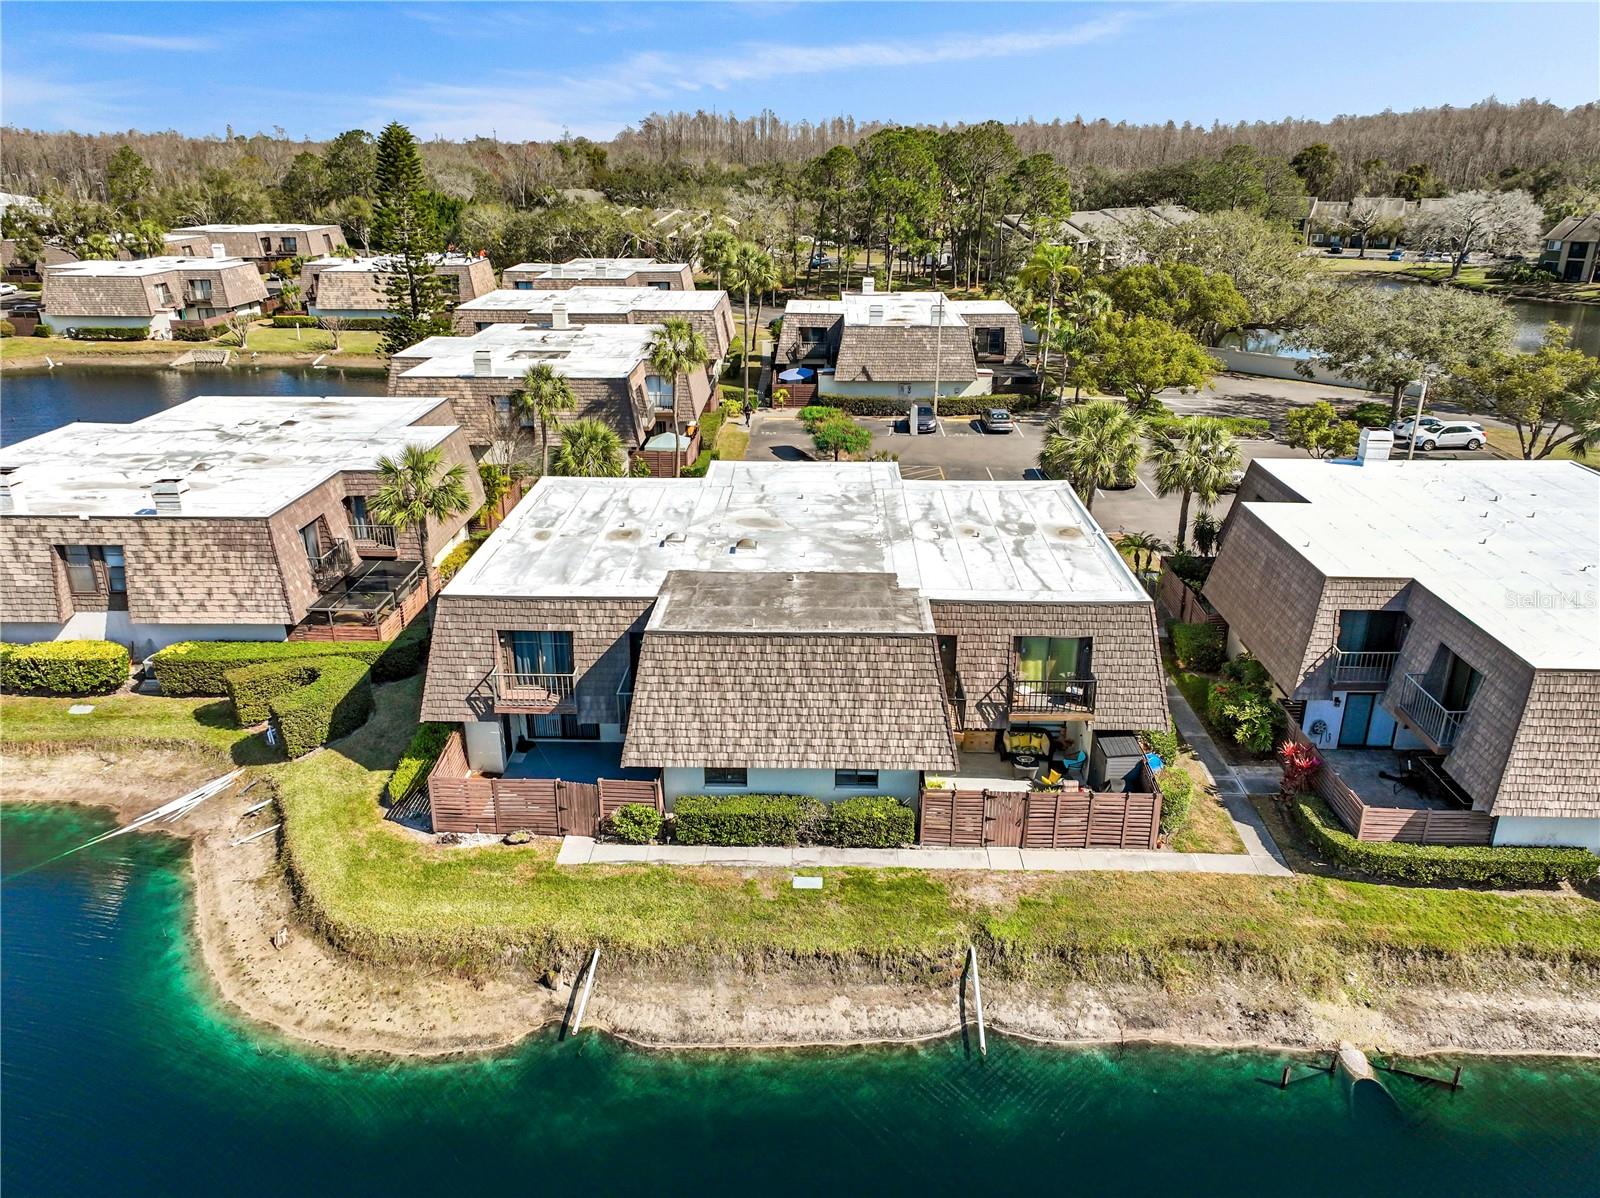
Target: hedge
[
  {"x": 405, "y": 655},
  {"x": 198, "y": 667},
  {"x": 426, "y": 744},
  {"x": 1489, "y": 865},
  {"x": 746, "y": 819},
  {"x": 197, "y": 332},
  {"x": 869, "y": 822},
  {"x": 949, "y": 405},
  {"x": 7, "y": 329},
  {"x": 1177, "y": 791},
  {"x": 450, "y": 565},
  {"x": 90, "y": 332},
  {"x": 333, "y": 704},
  {"x": 67, "y": 668},
  {"x": 294, "y": 322},
  {"x": 252, "y": 688},
  {"x": 1238, "y": 426},
  {"x": 634, "y": 823},
  {"x": 1199, "y": 647}
]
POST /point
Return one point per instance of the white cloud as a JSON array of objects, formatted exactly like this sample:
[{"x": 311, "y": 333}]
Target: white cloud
[
  {"x": 144, "y": 41},
  {"x": 599, "y": 102},
  {"x": 46, "y": 101}
]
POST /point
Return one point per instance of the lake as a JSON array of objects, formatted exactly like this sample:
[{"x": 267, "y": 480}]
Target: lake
[
  {"x": 120, "y": 1076},
  {"x": 35, "y": 403}
]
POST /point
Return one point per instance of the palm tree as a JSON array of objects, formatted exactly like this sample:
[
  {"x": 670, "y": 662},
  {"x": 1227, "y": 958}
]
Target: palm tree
[
  {"x": 589, "y": 448},
  {"x": 544, "y": 396},
  {"x": 1196, "y": 460},
  {"x": 677, "y": 349},
  {"x": 414, "y": 491},
  {"x": 1145, "y": 548},
  {"x": 1049, "y": 266},
  {"x": 1086, "y": 312},
  {"x": 1092, "y": 445},
  {"x": 750, "y": 270},
  {"x": 716, "y": 252}
]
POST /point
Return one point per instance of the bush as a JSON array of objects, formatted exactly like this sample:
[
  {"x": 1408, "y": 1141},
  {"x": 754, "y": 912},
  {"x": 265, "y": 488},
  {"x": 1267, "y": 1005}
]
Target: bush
[
  {"x": 1485, "y": 865},
  {"x": 1248, "y": 714},
  {"x": 197, "y": 667},
  {"x": 814, "y": 415},
  {"x": 405, "y": 655},
  {"x": 1163, "y": 742},
  {"x": 450, "y": 565},
  {"x": 294, "y": 322},
  {"x": 1249, "y": 671},
  {"x": 1371, "y": 415},
  {"x": 1200, "y": 647},
  {"x": 746, "y": 819},
  {"x": 427, "y": 742},
  {"x": 1190, "y": 568},
  {"x": 333, "y": 704},
  {"x": 869, "y": 822},
  {"x": 1238, "y": 426},
  {"x": 43, "y": 330},
  {"x": 90, "y": 332},
  {"x": 634, "y": 823},
  {"x": 7, "y": 329},
  {"x": 1177, "y": 792},
  {"x": 198, "y": 332},
  {"x": 68, "y": 668}
]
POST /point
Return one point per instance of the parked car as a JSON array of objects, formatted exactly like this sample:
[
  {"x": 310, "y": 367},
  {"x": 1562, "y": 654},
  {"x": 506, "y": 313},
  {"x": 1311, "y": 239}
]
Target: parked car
[
  {"x": 823, "y": 261},
  {"x": 926, "y": 421},
  {"x": 998, "y": 420},
  {"x": 1460, "y": 434},
  {"x": 1336, "y": 249},
  {"x": 1397, "y": 255},
  {"x": 1402, "y": 428},
  {"x": 9, "y": 289}
]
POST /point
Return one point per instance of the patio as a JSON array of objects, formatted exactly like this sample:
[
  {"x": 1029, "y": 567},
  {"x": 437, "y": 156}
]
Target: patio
[
  {"x": 1360, "y": 769},
  {"x": 574, "y": 761}
]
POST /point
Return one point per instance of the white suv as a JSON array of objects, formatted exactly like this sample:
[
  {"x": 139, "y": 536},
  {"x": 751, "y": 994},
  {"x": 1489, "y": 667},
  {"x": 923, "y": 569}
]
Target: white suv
[
  {"x": 1402, "y": 428},
  {"x": 1461, "y": 434}
]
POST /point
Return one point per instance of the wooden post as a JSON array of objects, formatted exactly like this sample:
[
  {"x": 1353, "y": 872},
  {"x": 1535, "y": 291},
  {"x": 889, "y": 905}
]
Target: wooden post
[
  {"x": 583, "y": 999},
  {"x": 977, "y": 996},
  {"x": 1283, "y": 1082}
]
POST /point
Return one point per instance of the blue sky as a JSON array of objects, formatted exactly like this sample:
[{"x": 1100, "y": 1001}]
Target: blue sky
[{"x": 536, "y": 70}]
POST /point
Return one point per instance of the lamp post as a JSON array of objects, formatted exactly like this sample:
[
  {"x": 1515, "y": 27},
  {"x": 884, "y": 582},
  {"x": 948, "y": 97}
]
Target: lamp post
[
  {"x": 1416, "y": 425},
  {"x": 938, "y": 347}
]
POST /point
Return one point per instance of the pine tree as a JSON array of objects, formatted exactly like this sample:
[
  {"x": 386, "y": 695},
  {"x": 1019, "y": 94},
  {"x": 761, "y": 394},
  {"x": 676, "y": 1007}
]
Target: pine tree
[{"x": 414, "y": 295}]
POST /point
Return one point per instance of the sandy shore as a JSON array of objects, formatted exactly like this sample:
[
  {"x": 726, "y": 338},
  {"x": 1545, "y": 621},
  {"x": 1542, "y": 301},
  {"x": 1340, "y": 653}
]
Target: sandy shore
[{"x": 312, "y": 992}]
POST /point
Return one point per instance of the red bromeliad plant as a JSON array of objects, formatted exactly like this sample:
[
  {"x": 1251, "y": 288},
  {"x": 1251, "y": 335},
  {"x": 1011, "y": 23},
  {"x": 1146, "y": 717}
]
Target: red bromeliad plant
[{"x": 1300, "y": 764}]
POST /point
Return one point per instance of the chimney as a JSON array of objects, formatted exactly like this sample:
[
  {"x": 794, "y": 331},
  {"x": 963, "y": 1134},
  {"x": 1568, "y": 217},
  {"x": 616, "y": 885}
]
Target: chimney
[
  {"x": 875, "y": 314},
  {"x": 10, "y": 480},
  {"x": 217, "y": 250},
  {"x": 168, "y": 494},
  {"x": 1375, "y": 446},
  {"x": 482, "y": 363},
  {"x": 869, "y": 286},
  {"x": 558, "y": 315}
]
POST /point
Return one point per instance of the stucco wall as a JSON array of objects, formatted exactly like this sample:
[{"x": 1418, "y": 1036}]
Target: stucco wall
[
  {"x": 903, "y": 784},
  {"x": 1576, "y": 833}
]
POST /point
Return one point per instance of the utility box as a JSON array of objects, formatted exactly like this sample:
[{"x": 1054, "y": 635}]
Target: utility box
[{"x": 1114, "y": 761}]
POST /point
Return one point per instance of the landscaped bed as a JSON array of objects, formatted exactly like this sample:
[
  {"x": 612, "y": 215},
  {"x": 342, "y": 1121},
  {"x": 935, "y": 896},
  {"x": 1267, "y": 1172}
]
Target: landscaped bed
[{"x": 379, "y": 891}]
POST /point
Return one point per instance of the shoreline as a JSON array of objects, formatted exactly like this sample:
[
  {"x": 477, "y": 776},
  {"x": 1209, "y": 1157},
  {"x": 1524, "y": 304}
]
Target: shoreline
[
  {"x": 311, "y": 994},
  {"x": 364, "y": 363}
]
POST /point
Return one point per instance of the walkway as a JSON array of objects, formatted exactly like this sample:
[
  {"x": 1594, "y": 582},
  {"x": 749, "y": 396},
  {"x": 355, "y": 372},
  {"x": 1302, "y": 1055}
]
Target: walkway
[{"x": 584, "y": 850}]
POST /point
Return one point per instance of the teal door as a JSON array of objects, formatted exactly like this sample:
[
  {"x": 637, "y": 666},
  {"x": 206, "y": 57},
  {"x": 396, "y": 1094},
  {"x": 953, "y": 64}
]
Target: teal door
[{"x": 1357, "y": 720}]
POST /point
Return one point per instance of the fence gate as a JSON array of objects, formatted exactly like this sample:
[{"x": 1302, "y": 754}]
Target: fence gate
[
  {"x": 1003, "y": 814},
  {"x": 578, "y": 808}
]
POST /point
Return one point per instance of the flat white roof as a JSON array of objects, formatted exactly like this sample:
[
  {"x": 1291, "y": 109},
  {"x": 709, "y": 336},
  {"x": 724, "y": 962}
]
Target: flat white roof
[
  {"x": 269, "y": 228},
  {"x": 242, "y": 455},
  {"x": 912, "y": 309},
  {"x": 593, "y": 300},
  {"x": 615, "y": 538},
  {"x": 1512, "y": 546},
  {"x": 599, "y": 268},
  {"x": 582, "y": 351},
  {"x": 139, "y": 267},
  {"x": 332, "y": 262}
]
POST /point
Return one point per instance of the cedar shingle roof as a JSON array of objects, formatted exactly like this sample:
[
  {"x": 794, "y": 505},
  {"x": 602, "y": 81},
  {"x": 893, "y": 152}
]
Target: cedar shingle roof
[{"x": 891, "y": 353}]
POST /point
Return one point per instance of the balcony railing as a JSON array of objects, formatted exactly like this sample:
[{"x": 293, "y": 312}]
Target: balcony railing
[
  {"x": 373, "y": 534},
  {"x": 517, "y": 691},
  {"x": 956, "y": 694},
  {"x": 624, "y": 700},
  {"x": 1427, "y": 714},
  {"x": 331, "y": 567},
  {"x": 1051, "y": 694},
  {"x": 1362, "y": 668}
]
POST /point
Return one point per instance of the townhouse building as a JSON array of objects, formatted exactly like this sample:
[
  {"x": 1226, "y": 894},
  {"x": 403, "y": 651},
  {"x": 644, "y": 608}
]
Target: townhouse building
[
  {"x": 356, "y": 288},
  {"x": 156, "y": 295}
]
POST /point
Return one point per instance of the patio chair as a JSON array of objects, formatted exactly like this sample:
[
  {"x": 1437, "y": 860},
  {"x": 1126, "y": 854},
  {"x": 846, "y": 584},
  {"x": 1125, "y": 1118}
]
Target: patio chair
[{"x": 1074, "y": 765}]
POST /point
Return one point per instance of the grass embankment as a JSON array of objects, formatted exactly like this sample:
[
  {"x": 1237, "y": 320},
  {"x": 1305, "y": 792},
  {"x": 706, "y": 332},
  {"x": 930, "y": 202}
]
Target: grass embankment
[
  {"x": 266, "y": 339},
  {"x": 1505, "y": 440},
  {"x": 356, "y": 349},
  {"x": 1478, "y": 278},
  {"x": 28, "y": 349},
  {"x": 382, "y": 893}
]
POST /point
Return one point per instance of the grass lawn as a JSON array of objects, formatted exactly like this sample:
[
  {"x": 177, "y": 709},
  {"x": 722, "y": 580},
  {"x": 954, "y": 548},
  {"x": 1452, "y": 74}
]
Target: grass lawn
[
  {"x": 1209, "y": 828},
  {"x": 732, "y": 441},
  {"x": 380, "y": 891},
  {"x": 1476, "y": 278},
  {"x": 268, "y": 340},
  {"x": 1375, "y": 262},
  {"x": 1505, "y": 440},
  {"x": 22, "y": 349}
]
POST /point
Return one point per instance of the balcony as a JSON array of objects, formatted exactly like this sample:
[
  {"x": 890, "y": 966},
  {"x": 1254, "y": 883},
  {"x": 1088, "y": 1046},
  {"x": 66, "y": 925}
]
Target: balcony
[
  {"x": 624, "y": 700},
  {"x": 956, "y": 695},
  {"x": 1361, "y": 669},
  {"x": 1430, "y": 718},
  {"x": 1050, "y": 697},
  {"x": 329, "y": 569},
  {"x": 367, "y": 535},
  {"x": 530, "y": 694}
]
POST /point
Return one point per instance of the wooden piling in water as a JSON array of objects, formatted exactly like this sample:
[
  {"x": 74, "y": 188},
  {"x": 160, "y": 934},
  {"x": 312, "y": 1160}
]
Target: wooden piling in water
[{"x": 977, "y": 997}]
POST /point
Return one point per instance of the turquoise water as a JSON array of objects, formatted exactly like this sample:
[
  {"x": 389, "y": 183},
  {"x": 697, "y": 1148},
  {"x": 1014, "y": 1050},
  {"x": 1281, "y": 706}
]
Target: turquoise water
[{"x": 120, "y": 1077}]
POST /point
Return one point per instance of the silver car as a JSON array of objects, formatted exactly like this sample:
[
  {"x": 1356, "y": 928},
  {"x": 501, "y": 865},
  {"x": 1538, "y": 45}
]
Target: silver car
[
  {"x": 998, "y": 420},
  {"x": 1459, "y": 434}
]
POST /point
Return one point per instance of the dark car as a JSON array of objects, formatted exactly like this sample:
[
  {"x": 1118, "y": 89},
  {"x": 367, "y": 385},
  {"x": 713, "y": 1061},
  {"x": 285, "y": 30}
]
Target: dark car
[{"x": 926, "y": 421}]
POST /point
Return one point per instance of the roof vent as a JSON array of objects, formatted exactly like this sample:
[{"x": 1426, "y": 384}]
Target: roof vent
[
  {"x": 673, "y": 538},
  {"x": 558, "y": 315},
  {"x": 1376, "y": 445},
  {"x": 482, "y": 362},
  {"x": 869, "y": 286},
  {"x": 218, "y": 250},
  {"x": 10, "y": 480},
  {"x": 743, "y": 545},
  {"x": 875, "y": 314},
  {"x": 168, "y": 494}
]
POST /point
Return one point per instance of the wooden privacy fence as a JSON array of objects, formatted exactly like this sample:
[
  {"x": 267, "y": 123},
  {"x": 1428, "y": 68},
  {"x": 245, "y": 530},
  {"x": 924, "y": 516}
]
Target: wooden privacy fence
[
  {"x": 465, "y": 802},
  {"x": 1039, "y": 819},
  {"x": 1408, "y": 825},
  {"x": 1183, "y": 603}
]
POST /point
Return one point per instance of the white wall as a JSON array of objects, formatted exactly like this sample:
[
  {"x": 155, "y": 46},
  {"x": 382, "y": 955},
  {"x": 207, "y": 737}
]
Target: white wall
[
  {"x": 1273, "y": 366},
  {"x": 677, "y": 780},
  {"x": 1324, "y": 710},
  {"x": 1575, "y": 833},
  {"x": 60, "y": 324},
  {"x": 143, "y": 639},
  {"x": 923, "y": 390}
]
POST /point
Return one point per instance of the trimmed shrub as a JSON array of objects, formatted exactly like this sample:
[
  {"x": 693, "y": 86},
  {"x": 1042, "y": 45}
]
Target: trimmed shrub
[
  {"x": 427, "y": 742},
  {"x": 1249, "y": 671},
  {"x": 91, "y": 332},
  {"x": 1484, "y": 865},
  {"x": 949, "y": 405},
  {"x": 7, "y": 329},
  {"x": 67, "y": 668},
  {"x": 43, "y": 330},
  {"x": 197, "y": 667},
  {"x": 746, "y": 819},
  {"x": 1371, "y": 415},
  {"x": 450, "y": 565},
  {"x": 815, "y": 415},
  {"x": 1177, "y": 792},
  {"x": 1238, "y": 426},
  {"x": 334, "y": 704},
  {"x": 1200, "y": 647},
  {"x": 405, "y": 655},
  {"x": 1246, "y": 713},
  {"x": 869, "y": 822},
  {"x": 252, "y": 688},
  {"x": 198, "y": 332},
  {"x": 634, "y": 823},
  {"x": 294, "y": 322},
  {"x": 1163, "y": 742}
]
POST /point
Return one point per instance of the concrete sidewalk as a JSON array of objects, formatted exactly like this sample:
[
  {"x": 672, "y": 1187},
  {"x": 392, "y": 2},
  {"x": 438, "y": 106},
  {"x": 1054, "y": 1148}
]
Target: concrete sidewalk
[{"x": 584, "y": 850}]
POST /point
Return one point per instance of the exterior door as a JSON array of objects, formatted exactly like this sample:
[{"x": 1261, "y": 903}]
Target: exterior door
[
  {"x": 1003, "y": 814},
  {"x": 1357, "y": 719}
]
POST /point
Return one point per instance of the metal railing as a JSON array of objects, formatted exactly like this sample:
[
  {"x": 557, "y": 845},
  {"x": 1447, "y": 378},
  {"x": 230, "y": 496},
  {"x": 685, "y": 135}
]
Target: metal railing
[
  {"x": 511, "y": 686},
  {"x": 373, "y": 534},
  {"x": 1051, "y": 694},
  {"x": 624, "y": 700},
  {"x": 1430, "y": 717},
  {"x": 956, "y": 694},
  {"x": 332, "y": 566},
  {"x": 1362, "y": 668}
]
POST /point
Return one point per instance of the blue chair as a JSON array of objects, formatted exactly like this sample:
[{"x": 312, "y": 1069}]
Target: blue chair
[{"x": 1074, "y": 765}]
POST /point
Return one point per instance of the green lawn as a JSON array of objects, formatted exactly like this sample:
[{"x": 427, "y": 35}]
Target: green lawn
[
  {"x": 732, "y": 441},
  {"x": 1505, "y": 440},
  {"x": 1476, "y": 278},
  {"x": 1377, "y": 262},
  {"x": 22, "y": 349},
  {"x": 268, "y": 340},
  {"x": 380, "y": 891}
]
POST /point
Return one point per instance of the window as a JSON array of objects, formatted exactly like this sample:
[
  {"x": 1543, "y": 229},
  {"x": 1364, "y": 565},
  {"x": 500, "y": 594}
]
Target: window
[
  {"x": 523, "y": 285},
  {"x": 659, "y": 390},
  {"x": 1052, "y": 658},
  {"x": 266, "y": 246},
  {"x": 200, "y": 289},
  {"x": 116, "y": 569},
  {"x": 989, "y": 343},
  {"x": 811, "y": 337},
  {"x": 1372, "y": 631},
  {"x": 1461, "y": 684},
  {"x": 662, "y": 286},
  {"x": 80, "y": 570},
  {"x": 289, "y": 246},
  {"x": 357, "y": 507},
  {"x": 717, "y": 775},
  {"x": 327, "y": 244},
  {"x": 312, "y": 542},
  {"x": 855, "y": 779},
  {"x": 164, "y": 295},
  {"x": 540, "y": 652}
]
